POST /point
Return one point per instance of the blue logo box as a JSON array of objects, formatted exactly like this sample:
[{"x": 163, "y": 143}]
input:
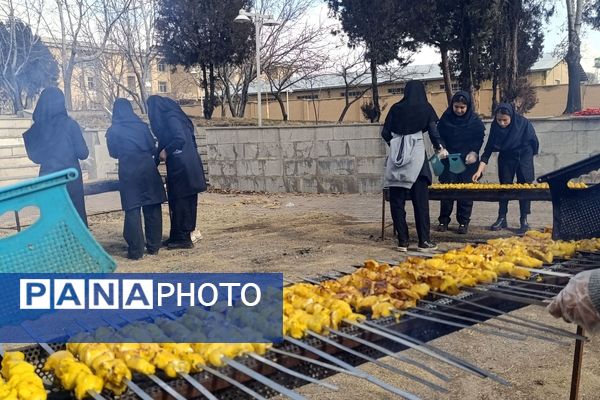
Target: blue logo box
[{"x": 141, "y": 308}]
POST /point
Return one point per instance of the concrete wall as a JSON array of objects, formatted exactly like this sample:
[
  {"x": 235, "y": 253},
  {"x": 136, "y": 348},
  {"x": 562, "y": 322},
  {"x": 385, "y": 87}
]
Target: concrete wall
[
  {"x": 551, "y": 102},
  {"x": 350, "y": 158}
]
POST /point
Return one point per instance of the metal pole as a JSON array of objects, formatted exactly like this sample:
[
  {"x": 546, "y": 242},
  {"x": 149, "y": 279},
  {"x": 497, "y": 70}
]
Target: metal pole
[
  {"x": 577, "y": 360},
  {"x": 383, "y": 215},
  {"x": 257, "y": 24}
]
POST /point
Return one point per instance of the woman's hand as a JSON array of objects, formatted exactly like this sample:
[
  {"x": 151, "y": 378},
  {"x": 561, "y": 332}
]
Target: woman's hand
[
  {"x": 477, "y": 175},
  {"x": 573, "y": 303},
  {"x": 163, "y": 155},
  {"x": 442, "y": 153},
  {"x": 471, "y": 158}
]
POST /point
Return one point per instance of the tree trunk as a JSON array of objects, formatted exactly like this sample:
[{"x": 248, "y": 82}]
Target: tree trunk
[
  {"x": 67, "y": 82},
  {"x": 375, "y": 91},
  {"x": 205, "y": 106},
  {"x": 281, "y": 105},
  {"x": 211, "y": 81},
  {"x": 17, "y": 101},
  {"x": 345, "y": 110},
  {"x": 494, "y": 90},
  {"x": 446, "y": 72},
  {"x": 573, "y": 57}
]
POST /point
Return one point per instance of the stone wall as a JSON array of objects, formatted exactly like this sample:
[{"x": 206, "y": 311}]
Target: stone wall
[{"x": 350, "y": 158}]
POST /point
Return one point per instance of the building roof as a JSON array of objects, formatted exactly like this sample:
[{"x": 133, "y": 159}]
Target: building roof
[{"x": 424, "y": 72}]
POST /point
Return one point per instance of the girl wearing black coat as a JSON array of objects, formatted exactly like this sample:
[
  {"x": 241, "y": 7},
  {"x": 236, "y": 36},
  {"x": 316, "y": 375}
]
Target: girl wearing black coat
[
  {"x": 55, "y": 142},
  {"x": 185, "y": 174},
  {"x": 462, "y": 131},
  {"x": 407, "y": 173},
  {"x": 514, "y": 138},
  {"x": 130, "y": 141}
]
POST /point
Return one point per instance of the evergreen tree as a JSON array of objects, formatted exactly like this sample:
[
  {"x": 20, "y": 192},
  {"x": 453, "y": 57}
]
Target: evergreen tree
[{"x": 202, "y": 33}]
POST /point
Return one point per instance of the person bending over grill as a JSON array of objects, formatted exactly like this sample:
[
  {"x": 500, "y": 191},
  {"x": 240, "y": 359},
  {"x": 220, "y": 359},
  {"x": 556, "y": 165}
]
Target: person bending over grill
[
  {"x": 407, "y": 173},
  {"x": 579, "y": 301},
  {"x": 514, "y": 138},
  {"x": 185, "y": 174},
  {"x": 462, "y": 131},
  {"x": 130, "y": 141},
  {"x": 55, "y": 142}
]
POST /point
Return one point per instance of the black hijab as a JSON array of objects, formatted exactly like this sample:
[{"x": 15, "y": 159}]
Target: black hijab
[
  {"x": 451, "y": 124},
  {"x": 517, "y": 134},
  {"x": 123, "y": 113},
  {"x": 50, "y": 106},
  {"x": 160, "y": 109},
  {"x": 128, "y": 131},
  {"x": 413, "y": 113}
]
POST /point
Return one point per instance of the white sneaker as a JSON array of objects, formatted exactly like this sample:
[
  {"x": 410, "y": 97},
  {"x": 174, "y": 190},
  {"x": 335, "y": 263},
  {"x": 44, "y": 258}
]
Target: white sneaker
[{"x": 196, "y": 236}]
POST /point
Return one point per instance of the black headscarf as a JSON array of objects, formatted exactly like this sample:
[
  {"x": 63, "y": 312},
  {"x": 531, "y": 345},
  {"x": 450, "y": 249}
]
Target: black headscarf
[
  {"x": 517, "y": 134},
  {"x": 413, "y": 113},
  {"x": 160, "y": 109},
  {"x": 128, "y": 133},
  {"x": 461, "y": 133},
  {"x": 123, "y": 112},
  {"x": 50, "y": 106}
]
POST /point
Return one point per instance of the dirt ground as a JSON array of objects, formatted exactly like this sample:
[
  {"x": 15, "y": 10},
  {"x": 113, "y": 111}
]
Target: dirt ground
[{"x": 308, "y": 235}]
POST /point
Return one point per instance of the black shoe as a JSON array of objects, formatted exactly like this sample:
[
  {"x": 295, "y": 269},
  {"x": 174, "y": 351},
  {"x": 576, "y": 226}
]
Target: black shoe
[
  {"x": 442, "y": 227},
  {"x": 134, "y": 257},
  {"x": 153, "y": 252},
  {"x": 426, "y": 246},
  {"x": 180, "y": 245},
  {"x": 463, "y": 229},
  {"x": 524, "y": 225},
  {"x": 166, "y": 242},
  {"x": 403, "y": 247},
  {"x": 500, "y": 223}
]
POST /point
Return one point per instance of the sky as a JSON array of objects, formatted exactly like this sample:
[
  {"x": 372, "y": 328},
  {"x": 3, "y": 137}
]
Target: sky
[{"x": 555, "y": 32}]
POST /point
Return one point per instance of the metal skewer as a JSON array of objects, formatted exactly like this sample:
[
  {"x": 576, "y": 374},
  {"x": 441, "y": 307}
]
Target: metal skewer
[
  {"x": 505, "y": 296},
  {"x": 432, "y": 351},
  {"x": 262, "y": 379},
  {"x": 391, "y": 354},
  {"x": 368, "y": 377},
  {"x": 438, "y": 305},
  {"x": 235, "y": 383},
  {"x": 535, "y": 324},
  {"x": 317, "y": 362},
  {"x": 377, "y": 362},
  {"x": 49, "y": 350},
  {"x": 292, "y": 372}
]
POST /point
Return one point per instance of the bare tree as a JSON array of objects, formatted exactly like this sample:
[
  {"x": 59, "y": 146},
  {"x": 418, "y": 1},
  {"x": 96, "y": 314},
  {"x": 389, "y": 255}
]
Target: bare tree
[
  {"x": 83, "y": 31},
  {"x": 294, "y": 50},
  {"x": 235, "y": 81},
  {"x": 573, "y": 58},
  {"x": 352, "y": 68},
  {"x": 26, "y": 64},
  {"x": 134, "y": 38}
]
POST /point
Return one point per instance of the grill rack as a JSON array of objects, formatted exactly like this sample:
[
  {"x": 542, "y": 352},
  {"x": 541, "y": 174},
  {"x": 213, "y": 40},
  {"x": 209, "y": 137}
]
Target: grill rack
[{"x": 419, "y": 329}]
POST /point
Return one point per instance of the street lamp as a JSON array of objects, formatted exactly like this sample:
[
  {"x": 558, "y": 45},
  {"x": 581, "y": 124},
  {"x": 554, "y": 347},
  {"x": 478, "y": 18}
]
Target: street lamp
[{"x": 259, "y": 20}]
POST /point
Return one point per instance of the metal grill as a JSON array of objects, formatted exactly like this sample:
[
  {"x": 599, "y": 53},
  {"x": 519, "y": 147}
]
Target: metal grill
[{"x": 385, "y": 333}]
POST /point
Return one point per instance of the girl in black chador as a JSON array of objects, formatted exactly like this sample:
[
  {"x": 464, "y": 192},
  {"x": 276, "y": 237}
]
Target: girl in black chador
[
  {"x": 185, "y": 174},
  {"x": 55, "y": 142},
  {"x": 462, "y": 131},
  {"x": 514, "y": 138},
  {"x": 407, "y": 173},
  {"x": 130, "y": 141}
]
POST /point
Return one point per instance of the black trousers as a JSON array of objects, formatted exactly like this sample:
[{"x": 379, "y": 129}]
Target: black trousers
[
  {"x": 183, "y": 218},
  {"x": 133, "y": 233},
  {"x": 519, "y": 163},
  {"x": 419, "y": 194},
  {"x": 463, "y": 207}
]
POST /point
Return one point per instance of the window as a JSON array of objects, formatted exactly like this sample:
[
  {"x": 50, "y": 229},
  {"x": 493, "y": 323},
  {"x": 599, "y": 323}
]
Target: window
[
  {"x": 162, "y": 67},
  {"x": 355, "y": 93},
  {"x": 308, "y": 97},
  {"x": 396, "y": 90},
  {"x": 455, "y": 87},
  {"x": 91, "y": 84},
  {"x": 162, "y": 87},
  {"x": 131, "y": 82}
]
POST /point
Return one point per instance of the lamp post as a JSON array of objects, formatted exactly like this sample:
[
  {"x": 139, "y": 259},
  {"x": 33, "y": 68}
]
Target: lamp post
[{"x": 259, "y": 20}]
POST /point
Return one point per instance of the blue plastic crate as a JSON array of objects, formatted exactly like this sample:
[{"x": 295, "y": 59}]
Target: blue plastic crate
[{"x": 59, "y": 241}]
